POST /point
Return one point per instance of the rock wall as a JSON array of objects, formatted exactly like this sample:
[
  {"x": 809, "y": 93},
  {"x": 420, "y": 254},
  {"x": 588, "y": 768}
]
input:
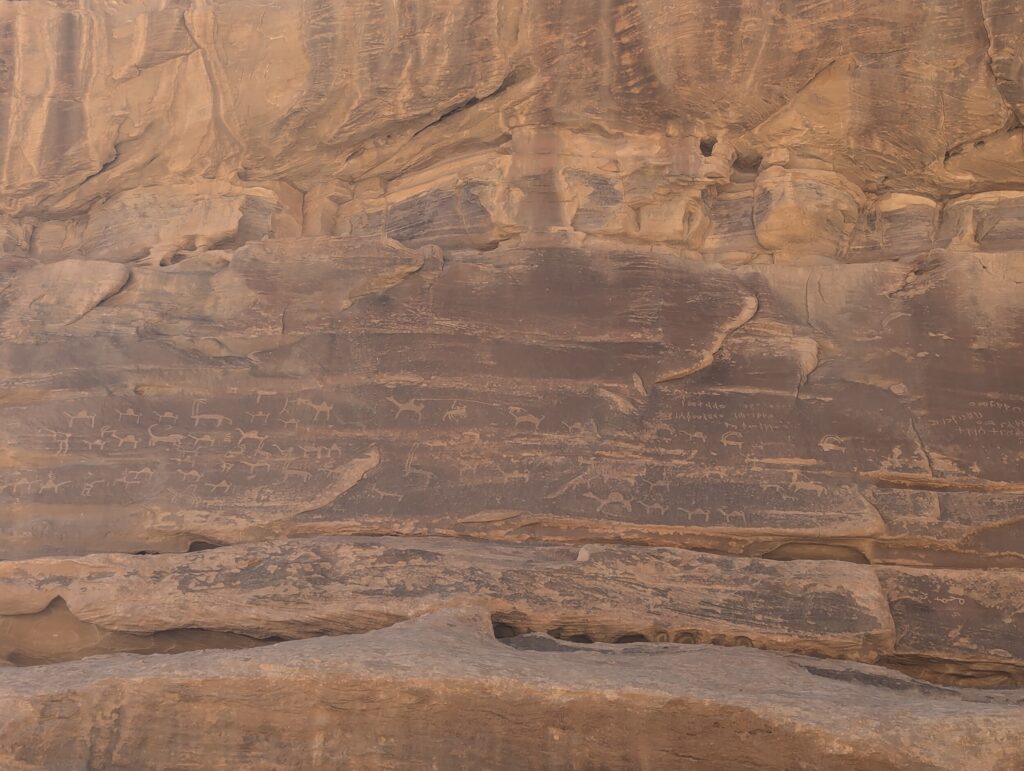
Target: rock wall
[{"x": 482, "y": 377}]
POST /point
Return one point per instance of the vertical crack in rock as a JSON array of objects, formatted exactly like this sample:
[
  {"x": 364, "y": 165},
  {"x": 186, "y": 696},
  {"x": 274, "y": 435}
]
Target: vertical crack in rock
[{"x": 746, "y": 313}]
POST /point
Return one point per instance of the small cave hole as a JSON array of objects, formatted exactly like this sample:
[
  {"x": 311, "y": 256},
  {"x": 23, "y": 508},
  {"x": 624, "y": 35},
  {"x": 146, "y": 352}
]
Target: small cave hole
[
  {"x": 631, "y": 638},
  {"x": 707, "y": 146},
  {"x": 203, "y": 546},
  {"x": 688, "y": 638},
  {"x": 797, "y": 550},
  {"x": 580, "y": 638},
  {"x": 503, "y": 631},
  {"x": 748, "y": 163}
]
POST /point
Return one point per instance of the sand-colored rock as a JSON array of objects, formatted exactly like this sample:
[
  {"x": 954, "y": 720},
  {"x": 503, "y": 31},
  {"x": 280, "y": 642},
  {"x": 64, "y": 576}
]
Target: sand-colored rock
[
  {"x": 690, "y": 321},
  {"x": 441, "y": 691},
  {"x": 304, "y": 587}
]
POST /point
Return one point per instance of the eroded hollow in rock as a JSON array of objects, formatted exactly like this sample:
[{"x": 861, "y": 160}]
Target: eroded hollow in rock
[
  {"x": 929, "y": 671},
  {"x": 55, "y": 634},
  {"x": 817, "y": 551}
]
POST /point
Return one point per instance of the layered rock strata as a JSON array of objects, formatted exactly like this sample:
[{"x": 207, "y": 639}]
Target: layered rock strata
[{"x": 465, "y": 384}]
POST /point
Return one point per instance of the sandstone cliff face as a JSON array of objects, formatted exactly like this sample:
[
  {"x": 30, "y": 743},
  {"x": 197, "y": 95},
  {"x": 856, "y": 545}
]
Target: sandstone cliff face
[{"x": 477, "y": 384}]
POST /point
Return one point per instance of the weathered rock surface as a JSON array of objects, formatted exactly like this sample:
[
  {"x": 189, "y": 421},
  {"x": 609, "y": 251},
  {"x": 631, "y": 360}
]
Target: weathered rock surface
[
  {"x": 677, "y": 321},
  {"x": 442, "y": 692}
]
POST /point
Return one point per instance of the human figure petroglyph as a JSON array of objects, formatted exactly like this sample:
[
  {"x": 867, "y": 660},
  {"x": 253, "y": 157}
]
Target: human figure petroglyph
[
  {"x": 732, "y": 439},
  {"x": 126, "y": 439},
  {"x": 832, "y": 443},
  {"x": 82, "y": 415},
  {"x": 413, "y": 406},
  {"x": 212, "y": 417},
  {"x": 254, "y": 416},
  {"x": 174, "y": 440},
  {"x": 521, "y": 417},
  {"x": 221, "y": 486},
  {"x": 170, "y": 417},
  {"x": 323, "y": 408},
  {"x": 796, "y": 483},
  {"x": 457, "y": 412},
  {"x": 51, "y": 484},
  {"x": 62, "y": 438},
  {"x": 614, "y": 498},
  {"x": 88, "y": 487},
  {"x": 251, "y": 436},
  {"x": 128, "y": 413}
]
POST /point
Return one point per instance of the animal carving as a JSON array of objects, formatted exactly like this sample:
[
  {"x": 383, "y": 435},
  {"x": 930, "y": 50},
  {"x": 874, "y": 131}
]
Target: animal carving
[
  {"x": 732, "y": 439},
  {"x": 174, "y": 440},
  {"x": 129, "y": 413},
  {"x": 323, "y": 408},
  {"x": 305, "y": 476},
  {"x": 251, "y": 436},
  {"x": 204, "y": 440},
  {"x": 62, "y": 438},
  {"x": 456, "y": 412},
  {"x": 51, "y": 485},
  {"x": 210, "y": 417},
  {"x": 832, "y": 443},
  {"x": 614, "y": 499},
  {"x": 126, "y": 439},
  {"x": 798, "y": 484},
  {"x": 522, "y": 417},
  {"x": 82, "y": 415},
  {"x": 414, "y": 406}
]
